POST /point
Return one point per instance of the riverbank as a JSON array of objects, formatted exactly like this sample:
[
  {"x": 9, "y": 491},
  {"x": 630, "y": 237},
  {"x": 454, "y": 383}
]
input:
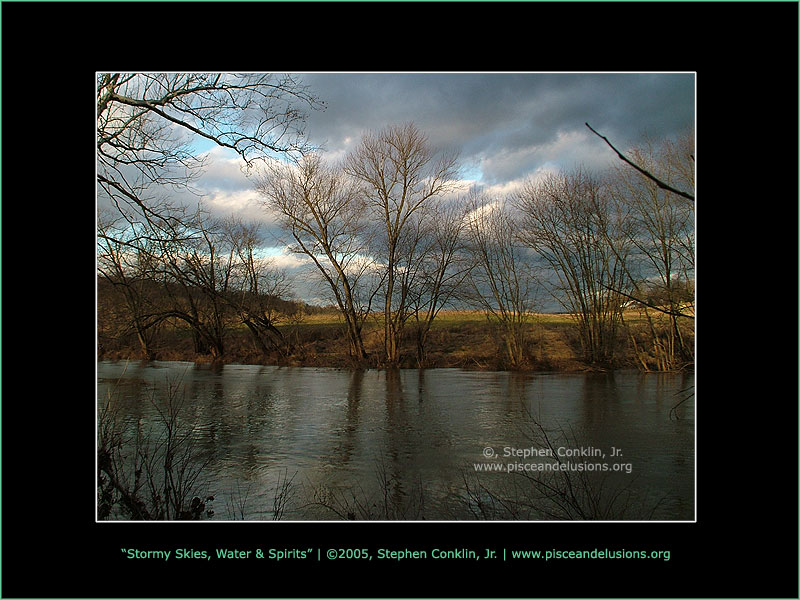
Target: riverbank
[{"x": 458, "y": 339}]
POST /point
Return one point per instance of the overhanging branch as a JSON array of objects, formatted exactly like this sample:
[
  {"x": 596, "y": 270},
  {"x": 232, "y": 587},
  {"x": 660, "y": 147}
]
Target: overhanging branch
[
  {"x": 647, "y": 174},
  {"x": 647, "y": 304}
]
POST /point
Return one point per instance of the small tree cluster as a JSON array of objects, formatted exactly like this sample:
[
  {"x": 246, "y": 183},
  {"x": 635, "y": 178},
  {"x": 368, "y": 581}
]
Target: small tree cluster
[{"x": 206, "y": 277}]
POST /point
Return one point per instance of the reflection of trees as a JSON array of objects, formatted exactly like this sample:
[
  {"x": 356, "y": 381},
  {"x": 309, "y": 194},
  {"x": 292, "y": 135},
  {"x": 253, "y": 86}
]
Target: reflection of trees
[
  {"x": 390, "y": 469},
  {"x": 347, "y": 433},
  {"x": 397, "y": 443}
]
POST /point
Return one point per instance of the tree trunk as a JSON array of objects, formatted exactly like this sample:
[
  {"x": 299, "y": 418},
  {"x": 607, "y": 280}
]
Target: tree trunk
[{"x": 141, "y": 335}]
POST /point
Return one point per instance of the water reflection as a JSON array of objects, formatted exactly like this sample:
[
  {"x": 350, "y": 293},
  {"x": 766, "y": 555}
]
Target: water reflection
[
  {"x": 347, "y": 432},
  {"x": 395, "y": 434}
]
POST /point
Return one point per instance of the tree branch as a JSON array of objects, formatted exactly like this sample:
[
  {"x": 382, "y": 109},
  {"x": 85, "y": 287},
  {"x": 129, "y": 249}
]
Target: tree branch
[
  {"x": 647, "y": 304},
  {"x": 650, "y": 176}
]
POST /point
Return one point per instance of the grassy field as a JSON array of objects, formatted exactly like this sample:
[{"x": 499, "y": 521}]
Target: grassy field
[{"x": 462, "y": 339}]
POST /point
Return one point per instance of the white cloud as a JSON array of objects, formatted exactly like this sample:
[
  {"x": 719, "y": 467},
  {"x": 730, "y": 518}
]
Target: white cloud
[
  {"x": 283, "y": 258},
  {"x": 234, "y": 202},
  {"x": 223, "y": 168},
  {"x": 507, "y": 188}
]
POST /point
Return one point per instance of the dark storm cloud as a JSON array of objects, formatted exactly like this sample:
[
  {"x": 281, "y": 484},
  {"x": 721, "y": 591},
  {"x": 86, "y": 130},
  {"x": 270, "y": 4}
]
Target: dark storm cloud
[
  {"x": 517, "y": 115},
  {"x": 505, "y": 126}
]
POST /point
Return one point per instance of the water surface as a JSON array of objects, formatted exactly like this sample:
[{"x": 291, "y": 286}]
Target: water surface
[{"x": 405, "y": 444}]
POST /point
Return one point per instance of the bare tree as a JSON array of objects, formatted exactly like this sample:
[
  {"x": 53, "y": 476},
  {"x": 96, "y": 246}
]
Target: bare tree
[
  {"x": 662, "y": 237},
  {"x": 257, "y": 294},
  {"x": 324, "y": 213},
  {"x": 124, "y": 259},
  {"x": 439, "y": 268},
  {"x": 502, "y": 279},
  {"x": 206, "y": 275},
  {"x": 196, "y": 273},
  {"x": 401, "y": 174},
  {"x": 570, "y": 221},
  {"x": 147, "y": 126},
  {"x": 146, "y": 123},
  {"x": 682, "y": 161}
]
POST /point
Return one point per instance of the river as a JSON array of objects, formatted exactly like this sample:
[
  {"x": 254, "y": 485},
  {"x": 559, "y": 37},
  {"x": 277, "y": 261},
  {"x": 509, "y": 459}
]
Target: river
[{"x": 435, "y": 444}]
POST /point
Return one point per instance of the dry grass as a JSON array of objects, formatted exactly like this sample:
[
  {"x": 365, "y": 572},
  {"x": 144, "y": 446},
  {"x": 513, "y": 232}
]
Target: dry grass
[{"x": 462, "y": 339}]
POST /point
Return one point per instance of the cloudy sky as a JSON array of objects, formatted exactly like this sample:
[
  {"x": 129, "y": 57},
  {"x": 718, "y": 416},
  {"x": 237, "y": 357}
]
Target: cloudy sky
[{"x": 506, "y": 126}]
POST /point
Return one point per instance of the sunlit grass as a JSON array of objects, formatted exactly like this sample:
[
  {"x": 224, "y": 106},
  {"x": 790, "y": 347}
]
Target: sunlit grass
[{"x": 457, "y": 338}]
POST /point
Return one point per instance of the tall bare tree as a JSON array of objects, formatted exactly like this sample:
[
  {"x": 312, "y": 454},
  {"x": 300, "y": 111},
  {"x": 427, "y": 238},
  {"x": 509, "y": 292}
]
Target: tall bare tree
[
  {"x": 502, "y": 279},
  {"x": 323, "y": 211},
  {"x": 401, "y": 174},
  {"x": 571, "y": 222},
  {"x": 439, "y": 268}
]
